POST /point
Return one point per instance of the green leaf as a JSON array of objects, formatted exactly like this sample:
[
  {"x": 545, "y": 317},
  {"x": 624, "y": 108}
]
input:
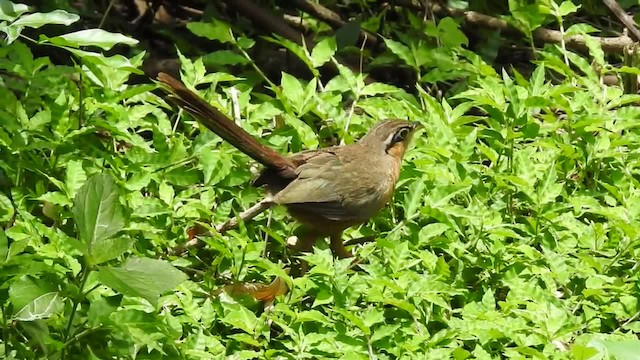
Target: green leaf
[
  {"x": 166, "y": 193},
  {"x": 348, "y": 34},
  {"x": 304, "y": 131},
  {"x": 74, "y": 177},
  {"x": 142, "y": 277},
  {"x": 41, "y": 307},
  {"x": 216, "y": 165},
  {"x": 10, "y": 11},
  {"x": 292, "y": 91},
  {"x": 40, "y": 119},
  {"x": 55, "y": 197},
  {"x": 108, "y": 249},
  {"x": 549, "y": 189},
  {"x": 378, "y": 88},
  {"x": 37, "y": 20},
  {"x": 96, "y": 210},
  {"x": 431, "y": 231},
  {"x": 4, "y": 247},
  {"x": 117, "y": 62},
  {"x": 93, "y": 37},
  {"x": 414, "y": 197},
  {"x": 402, "y": 51},
  {"x": 12, "y": 32},
  {"x": 580, "y": 352},
  {"x": 7, "y": 210},
  {"x": 595, "y": 49},
  {"x": 450, "y": 34},
  {"x": 224, "y": 57},
  {"x": 237, "y": 315},
  {"x": 215, "y": 30},
  {"x": 624, "y": 350},
  {"x": 566, "y": 8},
  {"x": 33, "y": 299},
  {"x": 323, "y": 51}
]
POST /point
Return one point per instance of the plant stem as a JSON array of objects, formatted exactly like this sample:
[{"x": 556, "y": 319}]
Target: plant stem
[{"x": 83, "y": 280}]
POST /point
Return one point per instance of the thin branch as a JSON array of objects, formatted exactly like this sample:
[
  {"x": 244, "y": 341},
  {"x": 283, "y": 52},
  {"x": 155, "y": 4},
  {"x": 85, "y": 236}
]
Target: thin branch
[
  {"x": 576, "y": 42},
  {"x": 624, "y": 17},
  {"x": 274, "y": 24},
  {"x": 232, "y": 223},
  {"x": 334, "y": 20}
]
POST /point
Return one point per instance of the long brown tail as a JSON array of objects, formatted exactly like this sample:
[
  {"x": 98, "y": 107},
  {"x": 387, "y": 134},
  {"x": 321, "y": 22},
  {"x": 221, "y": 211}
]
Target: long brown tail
[{"x": 220, "y": 124}]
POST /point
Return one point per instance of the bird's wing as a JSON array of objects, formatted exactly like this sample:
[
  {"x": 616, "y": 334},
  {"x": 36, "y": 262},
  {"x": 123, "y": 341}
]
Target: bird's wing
[
  {"x": 325, "y": 179},
  {"x": 315, "y": 182}
]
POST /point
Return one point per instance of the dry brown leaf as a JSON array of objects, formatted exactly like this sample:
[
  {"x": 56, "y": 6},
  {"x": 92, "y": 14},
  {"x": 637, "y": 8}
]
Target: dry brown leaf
[{"x": 260, "y": 292}]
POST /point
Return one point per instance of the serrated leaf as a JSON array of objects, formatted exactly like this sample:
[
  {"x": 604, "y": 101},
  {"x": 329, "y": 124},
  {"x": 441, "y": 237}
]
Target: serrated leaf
[
  {"x": 166, "y": 193},
  {"x": 378, "y": 88},
  {"x": 108, "y": 249},
  {"x": 215, "y": 30},
  {"x": 74, "y": 177},
  {"x": 414, "y": 197},
  {"x": 432, "y": 230},
  {"x": 55, "y": 197},
  {"x": 450, "y": 34},
  {"x": 237, "y": 315},
  {"x": 323, "y": 51},
  {"x": 216, "y": 165},
  {"x": 292, "y": 91},
  {"x": 402, "y": 51},
  {"x": 142, "y": 277},
  {"x": 7, "y": 209},
  {"x": 566, "y": 8},
  {"x": 96, "y": 210},
  {"x": 306, "y": 134},
  {"x": 116, "y": 61}
]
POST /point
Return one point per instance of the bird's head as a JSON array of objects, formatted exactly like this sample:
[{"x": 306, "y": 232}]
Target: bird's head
[{"x": 391, "y": 136}]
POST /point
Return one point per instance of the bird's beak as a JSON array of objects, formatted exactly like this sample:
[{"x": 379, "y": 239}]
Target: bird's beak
[{"x": 416, "y": 125}]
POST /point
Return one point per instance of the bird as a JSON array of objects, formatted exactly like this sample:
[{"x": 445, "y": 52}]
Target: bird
[{"x": 326, "y": 190}]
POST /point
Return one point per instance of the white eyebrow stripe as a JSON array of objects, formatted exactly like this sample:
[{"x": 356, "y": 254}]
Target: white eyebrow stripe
[{"x": 387, "y": 142}]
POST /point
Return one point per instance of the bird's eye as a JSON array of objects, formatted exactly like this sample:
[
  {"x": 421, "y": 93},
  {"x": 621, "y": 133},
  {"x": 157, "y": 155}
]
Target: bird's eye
[{"x": 401, "y": 135}]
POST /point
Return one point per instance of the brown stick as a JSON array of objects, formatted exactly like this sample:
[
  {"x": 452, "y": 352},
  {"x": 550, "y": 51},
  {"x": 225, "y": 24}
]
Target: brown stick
[
  {"x": 232, "y": 223},
  {"x": 576, "y": 42},
  {"x": 264, "y": 18},
  {"x": 624, "y": 17},
  {"x": 334, "y": 20}
]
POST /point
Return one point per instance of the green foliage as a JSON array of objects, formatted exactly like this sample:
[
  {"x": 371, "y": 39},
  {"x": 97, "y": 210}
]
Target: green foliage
[{"x": 513, "y": 232}]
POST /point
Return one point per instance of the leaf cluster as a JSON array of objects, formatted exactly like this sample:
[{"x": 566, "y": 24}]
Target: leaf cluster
[{"x": 513, "y": 232}]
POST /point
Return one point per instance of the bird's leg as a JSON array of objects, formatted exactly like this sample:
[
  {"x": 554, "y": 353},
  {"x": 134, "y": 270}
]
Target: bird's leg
[
  {"x": 337, "y": 247},
  {"x": 360, "y": 240},
  {"x": 304, "y": 243}
]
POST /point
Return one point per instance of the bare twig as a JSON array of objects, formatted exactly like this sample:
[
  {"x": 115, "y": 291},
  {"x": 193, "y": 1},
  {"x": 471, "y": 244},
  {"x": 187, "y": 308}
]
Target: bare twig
[
  {"x": 232, "y": 223},
  {"x": 576, "y": 42},
  {"x": 245, "y": 216},
  {"x": 236, "y": 105},
  {"x": 296, "y": 22},
  {"x": 624, "y": 17},
  {"x": 272, "y": 23},
  {"x": 334, "y": 20}
]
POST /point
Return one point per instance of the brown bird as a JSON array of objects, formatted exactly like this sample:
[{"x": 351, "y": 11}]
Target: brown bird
[{"x": 326, "y": 190}]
